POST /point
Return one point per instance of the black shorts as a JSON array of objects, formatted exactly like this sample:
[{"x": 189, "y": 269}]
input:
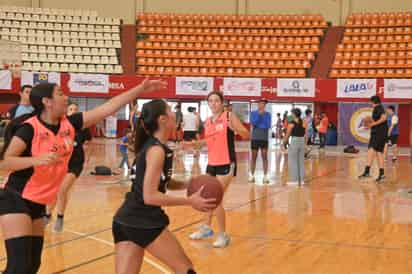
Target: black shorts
[
  {"x": 259, "y": 144},
  {"x": 140, "y": 236},
  {"x": 377, "y": 142},
  {"x": 76, "y": 163},
  {"x": 221, "y": 170},
  {"x": 11, "y": 202},
  {"x": 392, "y": 140},
  {"x": 189, "y": 135}
]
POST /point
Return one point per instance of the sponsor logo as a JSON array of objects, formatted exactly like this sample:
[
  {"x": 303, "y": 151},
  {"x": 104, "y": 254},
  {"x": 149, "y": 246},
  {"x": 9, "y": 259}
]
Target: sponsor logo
[
  {"x": 116, "y": 85},
  {"x": 296, "y": 88},
  {"x": 246, "y": 86},
  {"x": 196, "y": 85},
  {"x": 358, "y": 87},
  {"x": 89, "y": 83},
  {"x": 393, "y": 87}
]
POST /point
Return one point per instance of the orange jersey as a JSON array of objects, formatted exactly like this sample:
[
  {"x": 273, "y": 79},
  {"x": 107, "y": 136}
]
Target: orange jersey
[
  {"x": 43, "y": 184},
  {"x": 220, "y": 141}
]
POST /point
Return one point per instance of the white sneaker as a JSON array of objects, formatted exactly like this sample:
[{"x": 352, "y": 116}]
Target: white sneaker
[
  {"x": 251, "y": 178},
  {"x": 204, "y": 232},
  {"x": 266, "y": 179},
  {"x": 222, "y": 240}
]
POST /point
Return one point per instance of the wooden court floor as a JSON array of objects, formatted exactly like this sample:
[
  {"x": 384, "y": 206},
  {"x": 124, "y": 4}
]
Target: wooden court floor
[{"x": 333, "y": 224}]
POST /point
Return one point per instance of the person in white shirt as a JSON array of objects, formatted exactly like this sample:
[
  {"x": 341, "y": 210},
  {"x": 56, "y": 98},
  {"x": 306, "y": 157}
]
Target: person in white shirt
[
  {"x": 190, "y": 125},
  {"x": 393, "y": 133}
]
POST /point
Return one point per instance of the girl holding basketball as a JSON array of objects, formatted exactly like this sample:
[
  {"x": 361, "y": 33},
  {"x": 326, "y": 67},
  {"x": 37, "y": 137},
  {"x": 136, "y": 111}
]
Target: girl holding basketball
[
  {"x": 37, "y": 149},
  {"x": 220, "y": 132},
  {"x": 140, "y": 223}
]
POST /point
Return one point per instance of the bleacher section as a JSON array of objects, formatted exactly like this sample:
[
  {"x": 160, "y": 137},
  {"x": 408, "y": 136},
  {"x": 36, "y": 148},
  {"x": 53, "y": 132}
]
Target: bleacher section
[
  {"x": 63, "y": 40},
  {"x": 228, "y": 45},
  {"x": 375, "y": 45}
]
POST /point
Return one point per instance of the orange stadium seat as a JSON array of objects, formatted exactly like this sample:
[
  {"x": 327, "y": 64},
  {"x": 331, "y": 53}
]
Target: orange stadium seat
[{"x": 222, "y": 42}]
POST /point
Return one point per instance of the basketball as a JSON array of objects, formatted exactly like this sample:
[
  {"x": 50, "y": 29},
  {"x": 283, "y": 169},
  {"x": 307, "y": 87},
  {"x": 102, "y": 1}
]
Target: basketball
[
  {"x": 212, "y": 187},
  {"x": 367, "y": 121}
]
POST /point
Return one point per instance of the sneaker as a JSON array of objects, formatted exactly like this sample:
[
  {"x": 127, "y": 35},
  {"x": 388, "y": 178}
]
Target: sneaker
[
  {"x": 58, "y": 226},
  {"x": 266, "y": 179},
  {"x": 204, "y": 232},
  {"x": 46, "y": 220},
  {"x": 251, "y": 178},
  {"x": 394, "y": 159},
  {"x": 364, "y": 176},
  {"x": 222, "y": 240},
  {"x": 380, "y": 179}
]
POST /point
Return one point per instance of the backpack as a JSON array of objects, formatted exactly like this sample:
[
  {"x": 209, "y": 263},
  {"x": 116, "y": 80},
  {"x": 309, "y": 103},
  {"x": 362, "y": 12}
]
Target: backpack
[
  {"x": 350, "y": 149},
  {"x": 102, "y": 171}
]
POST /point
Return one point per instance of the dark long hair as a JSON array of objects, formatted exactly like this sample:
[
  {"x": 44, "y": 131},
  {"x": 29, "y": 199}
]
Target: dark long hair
[
  {"x": 297, "y": 112},
  {"x": 147, "y": 122},
  {"x": 37, "y": 94}
]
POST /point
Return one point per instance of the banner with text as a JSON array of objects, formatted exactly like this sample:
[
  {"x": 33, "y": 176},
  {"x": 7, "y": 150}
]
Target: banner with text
[
  {"x": 296, "y": 88},
  {"x": 95, "y": 83},
  {"x": 356, "y": 88},
  {"x": 242, "y": 86},
  {"x": 398, "y": 88},
  {"x": 194, "y": 85},
  {"x": 5, "y": 79},
  {"x": 34, "y": 78}
]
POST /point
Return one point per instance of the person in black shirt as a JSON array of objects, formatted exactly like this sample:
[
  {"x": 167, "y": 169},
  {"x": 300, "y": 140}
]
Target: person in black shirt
[
  {"x": 377, "y": 141},
  {"x": 37, "y": 148},
  {"x": 140, "y": 223},
  {"x": 296, "y": 151},
  {"x": 75, "y": 169}
]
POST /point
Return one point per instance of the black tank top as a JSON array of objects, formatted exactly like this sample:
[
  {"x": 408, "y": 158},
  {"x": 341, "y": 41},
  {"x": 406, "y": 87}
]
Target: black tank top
[
  {"x": 134, "y": 212},
  {"x": 298, "y": 130}
]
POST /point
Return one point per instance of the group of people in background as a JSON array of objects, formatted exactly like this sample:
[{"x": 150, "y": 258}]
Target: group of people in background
[{"x": 293, "y": 132}]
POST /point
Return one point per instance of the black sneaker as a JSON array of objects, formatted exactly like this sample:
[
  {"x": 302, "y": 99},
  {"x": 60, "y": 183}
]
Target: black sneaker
[
  {"x": 364, "y": 176},
  {"x": 380, "y": 179}
]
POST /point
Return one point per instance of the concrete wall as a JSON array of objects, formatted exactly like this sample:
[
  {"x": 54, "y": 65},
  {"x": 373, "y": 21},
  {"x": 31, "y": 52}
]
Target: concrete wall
[{"x": 333, "y": 10}]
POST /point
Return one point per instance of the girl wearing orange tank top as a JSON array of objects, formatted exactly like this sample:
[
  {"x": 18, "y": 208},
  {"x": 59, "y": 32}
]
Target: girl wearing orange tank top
[
  {"x": 37, "y": 148},
  {"x": 220, "y": 131}
]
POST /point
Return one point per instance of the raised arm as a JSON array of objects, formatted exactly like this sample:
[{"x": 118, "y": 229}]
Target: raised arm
[{"x": 111, "y": 106}]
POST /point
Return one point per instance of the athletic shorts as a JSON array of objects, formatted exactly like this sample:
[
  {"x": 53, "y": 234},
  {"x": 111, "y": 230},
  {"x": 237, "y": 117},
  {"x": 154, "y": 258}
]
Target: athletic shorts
[
  {"x": 76, "y": 163},
  {"x": 259, "y": 144},
  {"x": 189, "y": 135},
  {"x": 140, "y": 236},
  {"x": 377, "y": 142},
  {"x": 11, "y": 202},
  {"x": 221, "y": 170},
  {"x": 392, "y": 140}
]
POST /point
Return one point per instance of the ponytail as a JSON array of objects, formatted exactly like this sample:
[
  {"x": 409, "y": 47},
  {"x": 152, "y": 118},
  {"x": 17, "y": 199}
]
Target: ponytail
[
  {"x": 140, "y": 135},
  {"x": 11, "y": 130}
]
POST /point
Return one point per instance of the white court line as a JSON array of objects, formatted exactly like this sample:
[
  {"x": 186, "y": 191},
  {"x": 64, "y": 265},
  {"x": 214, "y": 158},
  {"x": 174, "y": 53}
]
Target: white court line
[{"x": 149, "y": 261}]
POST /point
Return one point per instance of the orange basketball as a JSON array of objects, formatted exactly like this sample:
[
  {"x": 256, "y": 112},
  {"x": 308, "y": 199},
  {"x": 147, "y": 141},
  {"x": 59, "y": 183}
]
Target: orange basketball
[
  {"x": 212, "y": 187},
  {"x": 366, "y": 121}
]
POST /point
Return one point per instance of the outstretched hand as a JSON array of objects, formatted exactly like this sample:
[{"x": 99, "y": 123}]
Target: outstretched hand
[{"x": 152, "y": 85}]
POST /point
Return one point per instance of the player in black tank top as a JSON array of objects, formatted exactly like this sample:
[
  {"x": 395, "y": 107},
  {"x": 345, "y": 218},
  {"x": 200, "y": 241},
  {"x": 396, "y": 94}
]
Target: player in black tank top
[{"x": 140, "y": 223}]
